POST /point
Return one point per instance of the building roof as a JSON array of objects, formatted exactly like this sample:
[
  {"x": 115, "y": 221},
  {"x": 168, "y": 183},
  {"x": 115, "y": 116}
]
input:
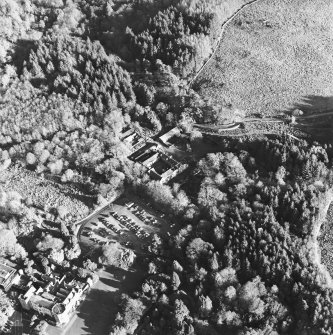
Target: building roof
[
  {"x": 58, "y": 308},
  {"x": 42, "y": 301},
  {"x": 172, "y": 132},
  {"x": 51, "y": 294},
  {"x": 5, "y": 272},
  {"x": 137, "y": 155}
]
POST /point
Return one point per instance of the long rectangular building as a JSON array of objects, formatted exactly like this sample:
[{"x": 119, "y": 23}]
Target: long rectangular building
[{"x": 7, "y": 275}]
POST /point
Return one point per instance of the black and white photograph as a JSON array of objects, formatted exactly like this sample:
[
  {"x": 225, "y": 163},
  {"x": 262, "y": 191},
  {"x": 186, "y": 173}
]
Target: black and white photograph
[{"x": 166, "y": 167}]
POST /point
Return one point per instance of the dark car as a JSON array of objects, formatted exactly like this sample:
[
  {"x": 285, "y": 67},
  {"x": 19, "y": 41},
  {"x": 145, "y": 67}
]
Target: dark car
[{"x": 102, "y": 233}]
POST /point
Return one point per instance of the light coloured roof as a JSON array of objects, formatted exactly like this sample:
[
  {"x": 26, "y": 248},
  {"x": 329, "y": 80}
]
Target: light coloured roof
[{"x": 5, "y": 272}]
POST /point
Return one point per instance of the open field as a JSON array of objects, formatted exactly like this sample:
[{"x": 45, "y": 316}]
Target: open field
[
  {"x": 43, "y": 191},
  {"x": 274, "y": 56}
]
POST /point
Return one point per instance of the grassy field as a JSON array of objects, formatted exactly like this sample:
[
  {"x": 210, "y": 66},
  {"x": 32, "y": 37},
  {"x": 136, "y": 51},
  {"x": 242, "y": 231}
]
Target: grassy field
[
  {"x": 43, "y": 191},
  {"x": 274, "y": 56}
]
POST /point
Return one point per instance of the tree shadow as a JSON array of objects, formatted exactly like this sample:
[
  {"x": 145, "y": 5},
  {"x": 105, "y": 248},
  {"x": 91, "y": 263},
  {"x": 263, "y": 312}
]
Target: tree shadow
[
  {"x": 313, "y": 104},
  {"x": 98, "y": 312},
  {"x": 320, "y": 128},
  {"x": 110, "y": 282},
  {"x": 74, "y": 190},
  {"x": 21, "y": 53},
  {"x": 88, "y": 200}
]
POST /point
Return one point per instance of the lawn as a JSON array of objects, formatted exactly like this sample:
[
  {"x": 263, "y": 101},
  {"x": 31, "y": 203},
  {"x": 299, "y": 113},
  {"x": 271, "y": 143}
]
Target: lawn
[
  {"x": 274, "y": 56},
  {"x": 98, "y": 311}
]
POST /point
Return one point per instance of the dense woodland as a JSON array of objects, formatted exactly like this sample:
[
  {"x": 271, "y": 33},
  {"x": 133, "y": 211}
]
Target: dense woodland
[
  {"x": 73, "y": 76},
  {"x": 66, "y": 99},
  {"x": 240, "y": 262}
]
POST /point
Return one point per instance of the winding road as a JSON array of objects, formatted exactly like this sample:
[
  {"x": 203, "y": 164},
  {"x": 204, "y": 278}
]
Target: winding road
[
  {"x": 234, "y": 125},
  {"x": 313, "y": 116},
  {"x": 93, "y": 215},
  {"x": 228, "y": 127}
]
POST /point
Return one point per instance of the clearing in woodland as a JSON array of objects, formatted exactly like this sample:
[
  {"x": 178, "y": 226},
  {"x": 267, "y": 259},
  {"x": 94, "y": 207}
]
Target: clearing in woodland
[
  {"x": 273, "y": 56},
  {"x": 46, "y": 192}
]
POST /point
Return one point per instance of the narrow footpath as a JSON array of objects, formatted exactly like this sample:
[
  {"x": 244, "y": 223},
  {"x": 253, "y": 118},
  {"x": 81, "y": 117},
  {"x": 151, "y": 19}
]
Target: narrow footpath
[{"x": 219, "y": 39}]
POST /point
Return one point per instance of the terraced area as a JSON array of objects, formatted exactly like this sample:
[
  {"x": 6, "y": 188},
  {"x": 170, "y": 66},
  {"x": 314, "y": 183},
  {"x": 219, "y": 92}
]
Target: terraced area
[{"x": 275, "y": 55}]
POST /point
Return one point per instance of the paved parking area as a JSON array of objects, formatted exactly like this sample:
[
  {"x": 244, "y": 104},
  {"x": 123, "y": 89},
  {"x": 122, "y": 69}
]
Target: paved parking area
[
  {"x": 127, "y": 223},
  {"x": 131, "y": 223}
]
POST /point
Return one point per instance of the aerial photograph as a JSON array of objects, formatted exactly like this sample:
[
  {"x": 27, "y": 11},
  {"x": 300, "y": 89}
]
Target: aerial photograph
[{"x": 166, "y": 167}]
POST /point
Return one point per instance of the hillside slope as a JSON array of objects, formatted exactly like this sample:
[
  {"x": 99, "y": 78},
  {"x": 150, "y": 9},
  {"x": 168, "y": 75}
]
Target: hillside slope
[{"x": 274, "y": 55}]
